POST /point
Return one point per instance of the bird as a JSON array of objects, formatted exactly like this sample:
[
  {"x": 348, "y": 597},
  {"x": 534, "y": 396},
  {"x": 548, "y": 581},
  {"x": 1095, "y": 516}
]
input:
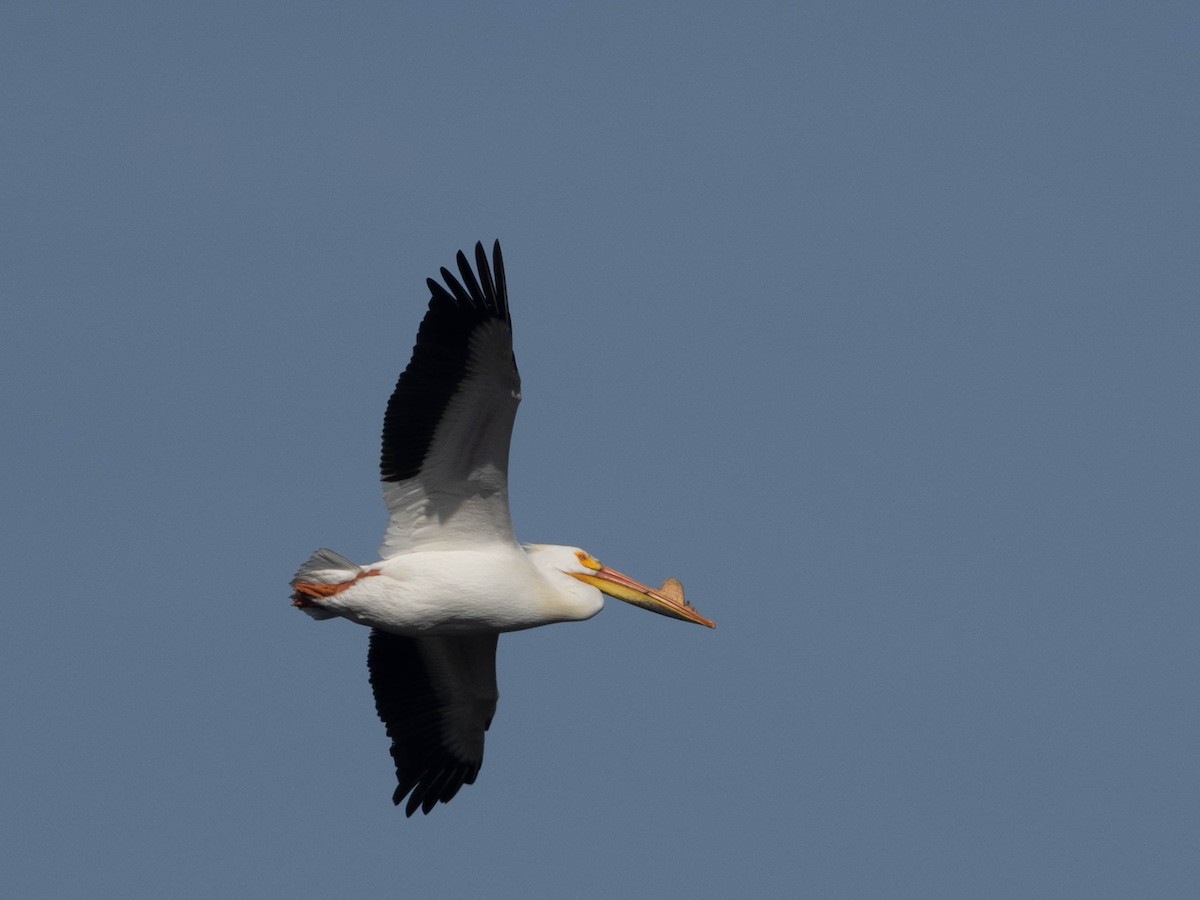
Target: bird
[{"x": 452, "y": 576}]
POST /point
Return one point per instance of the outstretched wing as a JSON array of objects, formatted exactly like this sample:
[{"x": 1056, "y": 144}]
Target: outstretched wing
[
  {"x": 446, "y": 434},
  {"x": 437, "y": 696}
]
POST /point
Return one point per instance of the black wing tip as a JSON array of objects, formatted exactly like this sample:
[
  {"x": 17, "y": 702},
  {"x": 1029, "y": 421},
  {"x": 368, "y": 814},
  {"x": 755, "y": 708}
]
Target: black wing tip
[
  {"x": 499, "y": 279},
  {"x": 431, "y": 788},
  {"x": 481, "y": 288}
]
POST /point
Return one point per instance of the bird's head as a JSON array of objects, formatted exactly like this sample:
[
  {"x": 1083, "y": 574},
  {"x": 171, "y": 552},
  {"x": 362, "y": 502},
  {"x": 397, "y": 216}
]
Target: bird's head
[{"x": 581, "y": 565}]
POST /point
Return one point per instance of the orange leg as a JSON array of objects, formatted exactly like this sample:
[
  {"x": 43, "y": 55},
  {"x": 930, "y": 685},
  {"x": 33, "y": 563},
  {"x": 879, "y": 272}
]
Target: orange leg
[{"x": 306, "y": 592}]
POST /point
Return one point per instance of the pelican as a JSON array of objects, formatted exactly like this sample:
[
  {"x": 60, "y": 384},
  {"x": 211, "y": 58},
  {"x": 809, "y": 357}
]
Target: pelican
[{"x": 452, "y": 576}]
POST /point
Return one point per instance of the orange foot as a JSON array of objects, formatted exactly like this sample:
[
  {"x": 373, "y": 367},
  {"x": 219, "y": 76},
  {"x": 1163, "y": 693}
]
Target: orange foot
[{"x": 306, "y": 592}]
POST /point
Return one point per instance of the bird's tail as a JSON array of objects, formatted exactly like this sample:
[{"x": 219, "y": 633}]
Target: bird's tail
[{"x": 323, "y": 570}]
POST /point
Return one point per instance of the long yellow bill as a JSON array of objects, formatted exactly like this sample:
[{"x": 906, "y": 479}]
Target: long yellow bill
[{"x": 666, "y": 601}]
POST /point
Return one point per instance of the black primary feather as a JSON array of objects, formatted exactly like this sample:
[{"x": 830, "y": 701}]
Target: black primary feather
[{"x": 439, "y": 359}]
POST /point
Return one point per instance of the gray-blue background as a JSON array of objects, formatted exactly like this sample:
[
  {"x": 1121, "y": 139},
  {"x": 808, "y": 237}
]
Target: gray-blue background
[{"x": 875, "y": 323}]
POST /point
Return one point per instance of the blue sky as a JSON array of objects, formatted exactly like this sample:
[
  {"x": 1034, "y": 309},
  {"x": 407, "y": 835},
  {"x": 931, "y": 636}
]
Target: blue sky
[{"x": 876, "y": 324}]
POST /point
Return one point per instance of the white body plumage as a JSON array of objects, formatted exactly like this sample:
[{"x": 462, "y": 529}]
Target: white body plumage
[{"x": 494, "y": 587}]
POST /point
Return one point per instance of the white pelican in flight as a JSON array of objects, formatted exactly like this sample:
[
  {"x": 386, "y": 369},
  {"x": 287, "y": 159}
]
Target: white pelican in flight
[{"x": 452, "y": 575}]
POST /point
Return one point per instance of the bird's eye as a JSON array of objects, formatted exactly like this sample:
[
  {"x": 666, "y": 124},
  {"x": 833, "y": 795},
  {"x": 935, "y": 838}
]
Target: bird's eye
[{"x": 581, "y": 556}]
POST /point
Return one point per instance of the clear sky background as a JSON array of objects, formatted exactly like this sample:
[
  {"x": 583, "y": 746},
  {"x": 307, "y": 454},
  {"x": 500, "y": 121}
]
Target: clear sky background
[{"x": 876, "y": 324}]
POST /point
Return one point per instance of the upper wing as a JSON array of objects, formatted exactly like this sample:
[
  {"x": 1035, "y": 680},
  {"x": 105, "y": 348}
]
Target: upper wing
[
  {"x": 446, "y": 433},
  {"x": 437, "y": 696}
]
